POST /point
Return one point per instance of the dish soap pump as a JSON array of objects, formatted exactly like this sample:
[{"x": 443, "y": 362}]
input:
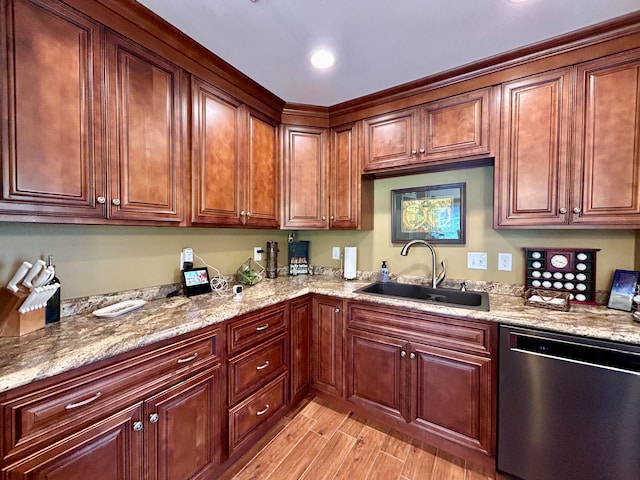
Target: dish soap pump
[{"x": 384, "y": 272}]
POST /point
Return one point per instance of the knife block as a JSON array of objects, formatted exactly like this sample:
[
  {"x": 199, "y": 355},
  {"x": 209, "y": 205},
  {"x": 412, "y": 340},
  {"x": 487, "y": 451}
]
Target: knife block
[{"x": 12, "y": 322}]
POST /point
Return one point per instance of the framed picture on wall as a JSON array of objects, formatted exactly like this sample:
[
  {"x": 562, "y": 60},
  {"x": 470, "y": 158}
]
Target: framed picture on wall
[{"x": 435, "y": 213}]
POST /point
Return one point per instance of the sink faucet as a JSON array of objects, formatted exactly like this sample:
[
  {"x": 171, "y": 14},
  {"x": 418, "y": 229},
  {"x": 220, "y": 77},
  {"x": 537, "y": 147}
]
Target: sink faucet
[{"x": 434, "y": 280}]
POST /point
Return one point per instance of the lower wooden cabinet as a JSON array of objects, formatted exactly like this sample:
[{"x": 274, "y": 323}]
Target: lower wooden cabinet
[
  {"x": 399, "y": 369},
  {"x": 326, "y": 345},
  {"x": 300, "y": 330}
]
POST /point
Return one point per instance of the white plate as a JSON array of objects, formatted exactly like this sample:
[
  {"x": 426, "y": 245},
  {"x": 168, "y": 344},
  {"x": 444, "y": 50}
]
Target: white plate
[
  {"x": 581, "y": 266},
  {"x": 536, "y": 265},
  {"x": 119, "y": 308},
  {"x": 581, "y": 286},
  {"x": 580, "y": 297},
  {"x": 546, "y": 284},
  {"x": 536, "y": 274},
  {"x": 581, "y": 276},
  {"x": 536, "y": 283},
  {"x": 536, "y": 255},
  {"x": 546, "y": 274},
  {"x": 570, "y": 276},
  {"x": 581, "y": 256},
  {"x": 568, "y": 286},
  {"x": 557, "y": 275},
  {"x": 557, "y": 284}
]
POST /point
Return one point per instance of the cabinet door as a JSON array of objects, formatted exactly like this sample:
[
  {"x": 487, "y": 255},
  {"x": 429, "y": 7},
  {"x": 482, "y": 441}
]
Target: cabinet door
[
  {"x": 455, "y": 127},
  {"x": 607, "y": 163},
  {"x": 532, "y": 169},
  {"x": 262, "y": 196},
  {"x": 305, "y": 196},
  {"x": 376, "y": 373},
  {"x": 351, "y": 196},
  {"x": 452, "y": 396},
  {"x": 50, "y": 92},
  {"x": 390, "y": 140},
  {"x": 183, "y": 429},
  {"x": 110, "y": 450},
  {"x": 216, "y": 165},
  {"x": 300, "y": 331},
  {"x": 145, "y": 169},
  {"x": 326, "y": 349}
]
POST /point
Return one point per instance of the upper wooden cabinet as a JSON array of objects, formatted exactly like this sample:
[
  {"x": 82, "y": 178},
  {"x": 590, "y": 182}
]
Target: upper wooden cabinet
[
  {"x": 570, "y": 147},
  {"x": 234, "y": 162},
  {"x": 323, "y": 188},
  {"x": 444, "y": 131},
  {"x": 144, "y": 123},
  {"x": 55, "y": 161},
  {"x": 51, "y": 91}
]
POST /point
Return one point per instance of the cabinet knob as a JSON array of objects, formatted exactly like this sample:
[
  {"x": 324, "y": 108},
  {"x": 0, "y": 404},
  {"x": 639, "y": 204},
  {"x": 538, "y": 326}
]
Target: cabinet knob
[
  {"x": 153, "y": 418},
  {"x": 414, "y": 152},
  {"x": 324, "y": 218},
  {"x": 331, "y": 217},
  {"x": 412, "y": 356},
  {"x": 422, "y": 150},
  {"x": 577, "y": 210},
  {"x": 137, "y": 426},
  {"x": 563, "y": 210},
  {"x": 248, "y": 214},
  {"x": 242, "y": 213},
  {"x": 403, "y": 353},
  {"x": 116, "y": 201},
  {"x": 101, "y": 200},
  {"x": 337, "y": 310}
]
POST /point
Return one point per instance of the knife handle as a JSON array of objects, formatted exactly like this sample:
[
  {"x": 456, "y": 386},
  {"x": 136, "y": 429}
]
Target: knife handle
[
  {"x": 46, "y": 275},
  {"x": 39, "y": 265},
  {"x": 22, "y": 271}
]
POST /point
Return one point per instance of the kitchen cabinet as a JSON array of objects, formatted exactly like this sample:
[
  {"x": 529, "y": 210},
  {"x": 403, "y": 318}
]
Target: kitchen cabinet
[
  {"x": 51, "y": 94},
  {"x": 435, "y": 375},
  {"x": 145, "y": 144},
  {"x": 155, "y": 415},
  {"x": 64, "y": 124},
  {"x": 300, "y": 317},
  {"x": 327, "y": 345},
  {"x": 234, "y": 161},
  {"x": 257, "y": 372},
  {"x": 322, "y": 185},
  {"x": 438, "y": 132},
  {"x": 568, "y": 153}
]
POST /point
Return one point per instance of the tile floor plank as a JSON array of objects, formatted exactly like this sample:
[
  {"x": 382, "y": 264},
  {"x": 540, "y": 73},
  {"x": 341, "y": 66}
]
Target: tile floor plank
[
  {"x": 397, "y": 444},
  {"x": 329, "y": 460},
  {"x": 420, "y": 461},
  {"x": 448, "y": 467},
  {"x": 352, "y": 425},
  {"x": 385, "y": 467},
  {"x": 358, "y": 462},
  {"x": 299, "y": 458},
  {"x": 328, "y": 421}
]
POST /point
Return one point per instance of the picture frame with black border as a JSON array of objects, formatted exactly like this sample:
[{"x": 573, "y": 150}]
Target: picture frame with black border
[
  {"x": 196, "y": 281},
  {"x": 623, "y": 288}
]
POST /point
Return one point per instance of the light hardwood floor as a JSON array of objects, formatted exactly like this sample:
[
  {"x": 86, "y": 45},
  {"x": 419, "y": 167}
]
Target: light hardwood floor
[{"x": 320, "y": 443}]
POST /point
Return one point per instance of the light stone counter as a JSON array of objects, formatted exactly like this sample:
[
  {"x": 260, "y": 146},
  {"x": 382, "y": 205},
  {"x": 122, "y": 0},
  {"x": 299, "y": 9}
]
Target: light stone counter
[{"x": 83, "y": 339}]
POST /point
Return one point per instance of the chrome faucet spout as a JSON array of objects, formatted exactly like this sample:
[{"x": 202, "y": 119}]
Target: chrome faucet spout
[{"x": 435, "y": 279}]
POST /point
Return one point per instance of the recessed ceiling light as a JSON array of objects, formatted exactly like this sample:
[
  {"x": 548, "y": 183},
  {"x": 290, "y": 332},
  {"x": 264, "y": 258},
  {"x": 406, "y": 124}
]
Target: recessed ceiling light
[{"x": 322, "y": 59}]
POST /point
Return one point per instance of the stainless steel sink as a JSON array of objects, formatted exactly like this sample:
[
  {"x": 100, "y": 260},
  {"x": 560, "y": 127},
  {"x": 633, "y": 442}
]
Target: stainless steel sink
[{"x": 440, "y": 296}]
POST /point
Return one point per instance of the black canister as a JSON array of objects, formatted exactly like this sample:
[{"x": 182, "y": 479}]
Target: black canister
[{"x": 272, "y": 259}]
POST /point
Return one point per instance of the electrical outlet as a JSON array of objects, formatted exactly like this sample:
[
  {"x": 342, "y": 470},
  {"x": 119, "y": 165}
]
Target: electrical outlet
[
  {"x": 505, "y": 262},
  {"x": 187, "y": 254},
  {"x": 335, "y": 254},
  {"x": 477, "y": 260},
  {"x": 257, "y": 254}
]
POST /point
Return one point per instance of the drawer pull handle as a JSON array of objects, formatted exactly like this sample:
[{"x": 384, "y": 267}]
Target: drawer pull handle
[
  {"x": 263, "y": 411},
  {"x": 71, "y": 406},
  {"x": 262, "y": 327},
  {"x": 188, "y": 359},
  {"x": 263, "y": 366}
]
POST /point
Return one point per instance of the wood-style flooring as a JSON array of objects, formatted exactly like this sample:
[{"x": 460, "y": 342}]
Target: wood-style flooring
[{"x": 320, "y": 443}]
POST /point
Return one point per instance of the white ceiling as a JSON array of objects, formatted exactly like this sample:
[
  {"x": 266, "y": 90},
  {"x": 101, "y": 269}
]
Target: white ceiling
[{"x": 378, "y": 44}]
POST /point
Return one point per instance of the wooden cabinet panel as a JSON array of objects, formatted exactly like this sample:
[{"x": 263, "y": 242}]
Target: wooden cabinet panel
[
  {"x": 305, "y": 196},
  {"x": 455, "y": 127},
  {"x": 110, "y": 450},
  {"x": 216, "y": 164},
  {"x": 300, "y": 331},
  {"x": 390, "y": 140},
  {"x": 183, "y": 429},
  {"x": 451, "y": 395},
  {"x": 251, "y": 329},
  {"x": 376, "y": 373},
  {"x": 50, "y": 95},
  {"x": 145, "y": 125},
  {"x": 606, "y": 184},
  {"x": 533, "y": 167},
  {"x": 326, "y": 347}
]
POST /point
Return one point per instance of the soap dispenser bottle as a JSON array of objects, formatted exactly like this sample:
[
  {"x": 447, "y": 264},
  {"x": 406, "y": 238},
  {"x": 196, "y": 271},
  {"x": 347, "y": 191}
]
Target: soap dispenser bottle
[{"x": 384, "y": 272}]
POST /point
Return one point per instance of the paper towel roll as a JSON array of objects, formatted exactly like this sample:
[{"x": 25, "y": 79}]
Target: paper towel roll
[{"x": 350, "y": 254}]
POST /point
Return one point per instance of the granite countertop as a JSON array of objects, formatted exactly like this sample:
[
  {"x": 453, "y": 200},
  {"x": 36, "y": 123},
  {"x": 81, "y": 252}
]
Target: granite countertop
[{"x": 82, "y": 339}]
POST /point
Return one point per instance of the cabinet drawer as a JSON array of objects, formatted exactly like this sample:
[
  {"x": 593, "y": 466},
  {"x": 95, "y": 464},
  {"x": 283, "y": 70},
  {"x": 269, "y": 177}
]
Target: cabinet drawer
[
  {"x": 449, "y": 332},
  {"x": 254, "y": 328},
  {"x": 41, "y": 416},
  {"x": 247, "y": 416},
  {"x": 252, "y": 369}
]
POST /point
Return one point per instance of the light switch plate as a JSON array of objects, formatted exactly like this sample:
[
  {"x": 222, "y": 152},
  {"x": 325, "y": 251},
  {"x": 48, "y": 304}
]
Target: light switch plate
[
  {"x": 477, "y": 260},
  {"x": 505, "y": 262},
  {"x": 335, "y": 253}
]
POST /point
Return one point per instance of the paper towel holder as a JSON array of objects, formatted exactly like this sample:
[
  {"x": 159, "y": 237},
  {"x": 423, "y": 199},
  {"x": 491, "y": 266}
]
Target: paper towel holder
[{"x": 350, "y": 272}]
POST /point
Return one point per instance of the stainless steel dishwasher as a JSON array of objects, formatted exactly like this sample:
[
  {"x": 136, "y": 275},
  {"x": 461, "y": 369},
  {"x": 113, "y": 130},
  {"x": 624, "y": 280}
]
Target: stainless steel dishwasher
[{"x": 568, "y": 407}]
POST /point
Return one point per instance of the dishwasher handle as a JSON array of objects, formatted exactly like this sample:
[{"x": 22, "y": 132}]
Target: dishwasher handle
[{"x": 597, "y": 356}]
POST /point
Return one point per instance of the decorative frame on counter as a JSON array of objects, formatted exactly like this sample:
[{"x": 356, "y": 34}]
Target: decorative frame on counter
[{"x": 435, "y": 213}]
